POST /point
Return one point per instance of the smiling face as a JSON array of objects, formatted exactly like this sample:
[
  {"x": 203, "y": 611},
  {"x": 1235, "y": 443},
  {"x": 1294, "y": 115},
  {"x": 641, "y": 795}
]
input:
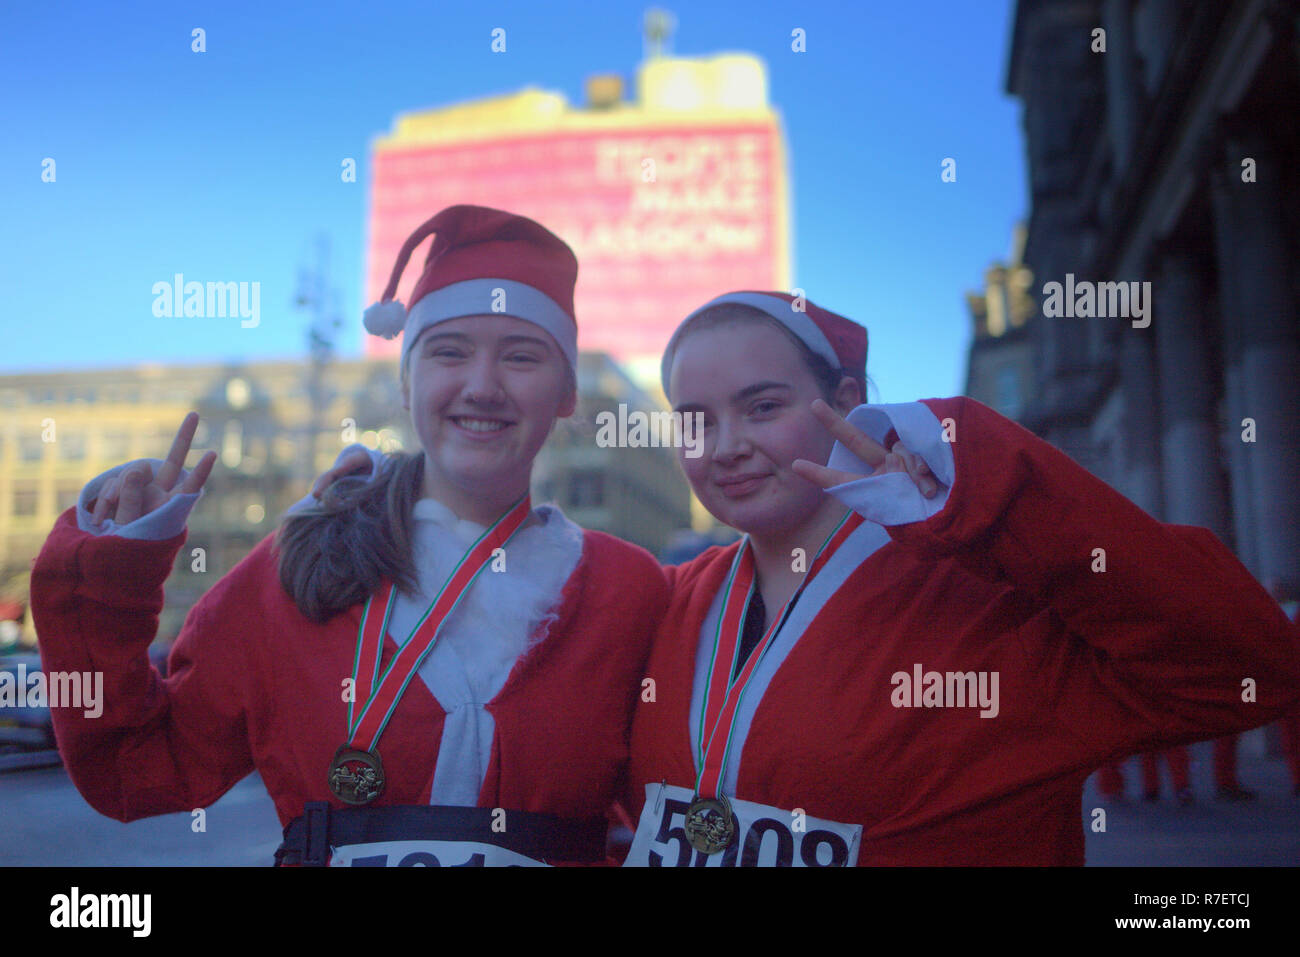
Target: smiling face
[
  {"x": 755, "y": 391},
  {"x": 483, "y": 393}
]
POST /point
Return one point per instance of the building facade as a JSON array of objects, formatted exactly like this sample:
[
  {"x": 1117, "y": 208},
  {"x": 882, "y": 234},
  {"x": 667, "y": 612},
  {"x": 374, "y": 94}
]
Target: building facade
[{"x": 1163, "y": 144}]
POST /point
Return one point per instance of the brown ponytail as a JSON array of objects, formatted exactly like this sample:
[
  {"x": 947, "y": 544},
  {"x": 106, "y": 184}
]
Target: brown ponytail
[{"x": 333, "y": 555}]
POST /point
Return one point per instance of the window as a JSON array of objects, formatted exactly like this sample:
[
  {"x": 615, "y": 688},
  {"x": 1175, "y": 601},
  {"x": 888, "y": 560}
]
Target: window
[
  {"x": 66, "y": 494},
  {"x": 1010, "y": 402},
  {"x": 25, "y": 496},
  {"x": 586, "y": 489},
  {"x": 232, "y": 444},
  {"x": 30, "y": 447},
  {"x": 72, "y": 446},
  {"x": 115, "y": 447},
  {"x": 255, "y": 510},
  {"x": 284, "y": 451}
]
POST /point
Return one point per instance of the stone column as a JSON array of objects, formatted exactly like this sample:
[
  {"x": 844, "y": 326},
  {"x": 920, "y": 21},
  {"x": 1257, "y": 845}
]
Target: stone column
[
  {"x": 1156, "y": 24},
  {"x": 1141, "y": 416},
  {"x": 1190, "y": 452},
  {"x": 1263, "y": 354},
  {"x": 1063, "y": 341},
  {"x": 1123, "y": 87}
]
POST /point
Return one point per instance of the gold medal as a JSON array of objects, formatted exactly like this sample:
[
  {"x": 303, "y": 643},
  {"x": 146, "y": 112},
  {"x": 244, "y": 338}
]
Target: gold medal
[
  {"x": 710, "y": 825},
  {"x": 356, "y": 777}
]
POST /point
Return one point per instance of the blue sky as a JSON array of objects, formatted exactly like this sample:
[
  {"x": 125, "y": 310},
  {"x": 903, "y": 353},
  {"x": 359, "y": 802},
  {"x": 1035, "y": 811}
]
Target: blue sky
[{"x": 226, "y": 163}]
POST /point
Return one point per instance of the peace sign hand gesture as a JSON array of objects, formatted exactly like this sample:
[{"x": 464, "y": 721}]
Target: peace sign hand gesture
[
  {"x": 138, "y": 491},
  {"x": 899, "y": 459}
]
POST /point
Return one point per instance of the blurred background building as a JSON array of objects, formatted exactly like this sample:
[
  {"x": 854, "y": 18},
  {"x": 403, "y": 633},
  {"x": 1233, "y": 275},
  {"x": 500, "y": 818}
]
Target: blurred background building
[
  {"x": 62, "y": 429},
  {"x": 1163, "y": 146}
]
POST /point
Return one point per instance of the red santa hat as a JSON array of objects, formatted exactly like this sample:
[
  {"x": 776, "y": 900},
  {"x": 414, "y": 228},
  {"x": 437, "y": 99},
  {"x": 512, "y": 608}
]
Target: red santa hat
[
  {"x": 841, "y": 342},
  {"x": 483, "y": 261}
]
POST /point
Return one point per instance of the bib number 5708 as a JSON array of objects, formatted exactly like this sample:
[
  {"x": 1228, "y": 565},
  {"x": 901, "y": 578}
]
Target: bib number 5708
[{"x": 765, "y": 836}]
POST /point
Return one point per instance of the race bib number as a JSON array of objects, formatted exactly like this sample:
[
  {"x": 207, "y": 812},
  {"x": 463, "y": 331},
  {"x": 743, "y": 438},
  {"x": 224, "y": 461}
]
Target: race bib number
[
  {"x": 428, "y": 854},
  {"x": 765, "y": 836}
]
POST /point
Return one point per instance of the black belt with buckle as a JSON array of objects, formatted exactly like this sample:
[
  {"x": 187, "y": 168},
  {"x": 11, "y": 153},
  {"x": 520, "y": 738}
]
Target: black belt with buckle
[{"x": 543, "y": 837}]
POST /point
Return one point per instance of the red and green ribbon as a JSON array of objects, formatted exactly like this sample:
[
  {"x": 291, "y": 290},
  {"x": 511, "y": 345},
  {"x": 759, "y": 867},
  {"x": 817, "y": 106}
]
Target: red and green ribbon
[
  {"x": 384, "y": 691},
  {"x": 723, "y": 694}
]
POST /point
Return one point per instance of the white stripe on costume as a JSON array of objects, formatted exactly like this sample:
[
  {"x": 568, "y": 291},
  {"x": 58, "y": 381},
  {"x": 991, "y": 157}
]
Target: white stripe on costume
[
  {"x": 890, "y": 499},
  {"x": 856, "y": 549}
]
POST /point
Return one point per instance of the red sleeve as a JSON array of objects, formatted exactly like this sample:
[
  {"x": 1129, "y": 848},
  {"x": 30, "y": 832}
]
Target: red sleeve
[
  {"x": 1168, "y": 640},
  {"x": 158, "y": 746}
]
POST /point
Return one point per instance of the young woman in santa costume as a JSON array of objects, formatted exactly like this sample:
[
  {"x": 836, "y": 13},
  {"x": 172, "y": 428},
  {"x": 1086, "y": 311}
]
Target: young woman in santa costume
[
  {"x": 424, "y": 669},
  {"x": 917, "y": 653}
]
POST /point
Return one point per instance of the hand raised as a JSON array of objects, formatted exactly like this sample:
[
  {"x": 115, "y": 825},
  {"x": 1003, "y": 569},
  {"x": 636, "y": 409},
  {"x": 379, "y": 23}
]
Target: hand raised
[
  {"x": 138, "y": 491},
  {"x": 899, "y": 459},
  {"x": 355, "y": 462}
]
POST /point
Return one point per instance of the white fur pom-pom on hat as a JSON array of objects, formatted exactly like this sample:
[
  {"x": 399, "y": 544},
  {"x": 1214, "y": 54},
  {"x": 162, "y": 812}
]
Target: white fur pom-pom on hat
[
  {"x": 477, "y": 258},
  {"x": 386, "y": 319}
]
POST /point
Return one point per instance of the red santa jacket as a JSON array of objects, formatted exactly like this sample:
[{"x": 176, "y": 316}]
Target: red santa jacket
[
  {"x": 255, "y": 685},
  {"x": 1163, "y": 647}
]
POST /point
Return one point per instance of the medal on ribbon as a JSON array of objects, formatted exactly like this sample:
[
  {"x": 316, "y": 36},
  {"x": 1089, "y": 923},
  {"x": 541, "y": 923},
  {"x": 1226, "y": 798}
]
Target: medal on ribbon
[
  {"x": 356, "y": 775},
  {"x": 710, "y": 824}
]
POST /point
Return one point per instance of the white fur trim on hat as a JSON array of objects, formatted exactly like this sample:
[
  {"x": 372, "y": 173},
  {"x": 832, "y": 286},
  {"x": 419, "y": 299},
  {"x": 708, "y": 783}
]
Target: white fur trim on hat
[
  {"x": 509, "y": 297},
  {"x": 386, "y": 319},
  {"x": 780, "y": 310}
]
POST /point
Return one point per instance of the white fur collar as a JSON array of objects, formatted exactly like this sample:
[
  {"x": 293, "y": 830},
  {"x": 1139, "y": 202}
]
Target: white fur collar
[{"x": 505, "y": 612}]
